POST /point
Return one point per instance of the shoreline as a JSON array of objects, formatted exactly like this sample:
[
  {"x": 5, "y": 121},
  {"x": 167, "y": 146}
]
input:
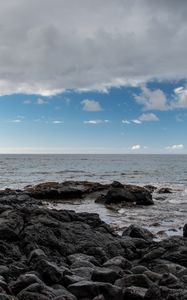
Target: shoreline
[{"x": 60, "y": 254}]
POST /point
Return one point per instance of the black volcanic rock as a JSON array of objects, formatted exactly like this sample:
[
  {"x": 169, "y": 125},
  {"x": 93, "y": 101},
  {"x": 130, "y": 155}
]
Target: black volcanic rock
[{"x": 62, "y": 255}]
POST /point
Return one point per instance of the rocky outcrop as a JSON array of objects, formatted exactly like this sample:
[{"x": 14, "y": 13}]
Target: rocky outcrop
[{"x": 62, "y": 255}]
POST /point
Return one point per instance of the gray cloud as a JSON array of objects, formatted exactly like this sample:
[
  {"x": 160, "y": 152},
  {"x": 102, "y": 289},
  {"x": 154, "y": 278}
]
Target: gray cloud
[{"x": 48, "y": 46}]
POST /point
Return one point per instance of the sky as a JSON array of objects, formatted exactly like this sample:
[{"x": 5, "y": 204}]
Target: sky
[{"x": 98, "y": 76}]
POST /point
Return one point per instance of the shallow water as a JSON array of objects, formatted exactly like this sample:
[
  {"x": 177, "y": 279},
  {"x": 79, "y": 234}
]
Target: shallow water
[{"x": 169, "y": 215}]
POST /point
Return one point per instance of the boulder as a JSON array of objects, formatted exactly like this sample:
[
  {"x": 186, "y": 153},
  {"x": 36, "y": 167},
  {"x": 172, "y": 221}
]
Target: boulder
[
  {"x": 88, "y": 289},
  {"x": 105, "y": 275},
  {"x": 136, "y": 231}
]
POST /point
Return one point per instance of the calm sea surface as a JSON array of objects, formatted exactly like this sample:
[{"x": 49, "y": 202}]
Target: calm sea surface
[{"x": 169, "y": 215}]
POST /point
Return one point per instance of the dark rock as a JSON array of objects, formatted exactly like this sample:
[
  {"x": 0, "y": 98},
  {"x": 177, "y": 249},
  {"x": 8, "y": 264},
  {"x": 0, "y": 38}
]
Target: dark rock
[
  {"x": 134, "y": 293},
  {"x": 133, "y": 194},
  {"x": 139, "y": 280},
  {"x": 105, "y": 275},
  {"x": 155, "y": 277},
  {"x": 51, "y": 273},
  {"x": 71, "y": 279},
  {"x": 80, "y": 264},
  {"x": 164, "y": 191},
  {"x": 139, "y": 269},
  {"x": 36, "y": 254},
  {"x": 118, "y": 261},
  {"x": 83, "y": 272},
  {"x": 11, "y": 224},
  {"x": 136, "y": 231},
  {"x": 81, "y": 257},
  {"x": 150, "y": 188},
  {"x": 117, "y": 184},
  {"x": 89, "y": 289},
  {"x": 22, "y": 282},
  {"x": 185, "y": 231},
  {"x": 170, "y": 281}
]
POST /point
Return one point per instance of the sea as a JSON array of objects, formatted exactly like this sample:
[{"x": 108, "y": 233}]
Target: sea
[{"x": 166, "y": 217}]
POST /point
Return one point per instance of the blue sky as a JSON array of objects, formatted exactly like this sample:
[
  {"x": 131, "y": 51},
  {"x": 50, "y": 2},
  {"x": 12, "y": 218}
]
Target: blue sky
[
  {"x": 93, "y": 76},
  {"x": 97, "y": 122}
]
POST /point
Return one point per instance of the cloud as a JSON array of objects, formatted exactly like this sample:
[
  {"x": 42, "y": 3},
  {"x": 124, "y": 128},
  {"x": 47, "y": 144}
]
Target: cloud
[
  {"x": 41, "y": 101},
  {"x": 57, "y": 122},
  {"x": 136, "y": 121},
  {"x": 136, "y": 147},
  {"x": 95, "y": 122},
  {"x": 180, "y": 98},
  {"x": 125, "y": 122},
  {"x": 175, "y": 147},
  {"x": 50, "y": 46},
  {"x": 149, "y": 117},
  {"x": 152, "y": 99},
  {"x": 91, "y": 105}
]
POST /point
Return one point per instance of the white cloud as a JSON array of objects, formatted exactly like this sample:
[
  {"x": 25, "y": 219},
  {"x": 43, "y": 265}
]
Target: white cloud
[
  {"x": 152, "y": 99},
  {"x": 175, "y": 147},
  {"x": 180, "y": 98},
  {"x": 95, "y": 122},
  {"x": 136, "y": 147},
  {"x": 148, "y": 117},
  {"x": 91, "y": 105},
  {"x": 136, "y": 121},
  {"x": 16, "y": 121},
  {"x": 57, "y": 122},
  {"x": 126, "y": 122},
  {"x": 48, "y": 46},
  {"x": 41, "y": 101}
]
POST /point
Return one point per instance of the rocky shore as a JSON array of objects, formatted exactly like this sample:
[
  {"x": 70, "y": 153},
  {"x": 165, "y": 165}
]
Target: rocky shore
[{"x": 64, "y": 255}]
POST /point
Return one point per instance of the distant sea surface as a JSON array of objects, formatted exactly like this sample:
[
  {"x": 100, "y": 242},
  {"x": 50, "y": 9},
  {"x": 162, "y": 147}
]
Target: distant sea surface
[
  {"x": 17, "y": 171},
  {"x": 166, "y": 217}
]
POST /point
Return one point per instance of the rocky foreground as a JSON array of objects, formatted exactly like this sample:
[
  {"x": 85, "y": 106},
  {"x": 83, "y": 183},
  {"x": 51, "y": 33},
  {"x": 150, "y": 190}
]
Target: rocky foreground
[{"x": 63, "y": 255}]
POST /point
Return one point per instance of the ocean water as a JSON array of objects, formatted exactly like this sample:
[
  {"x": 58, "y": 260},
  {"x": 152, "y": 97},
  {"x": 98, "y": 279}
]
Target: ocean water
[{"x": 166, "y": 217}]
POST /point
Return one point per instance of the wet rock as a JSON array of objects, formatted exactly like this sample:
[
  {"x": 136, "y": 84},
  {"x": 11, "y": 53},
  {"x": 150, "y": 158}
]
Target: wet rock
[
  {"x": 132, "y": 194},
  {"x": 164, "y": 190},
  {"x": 150, "y": 188},
  {"x": 185, "y": 231},
  {"x": 136, "y": 231}
]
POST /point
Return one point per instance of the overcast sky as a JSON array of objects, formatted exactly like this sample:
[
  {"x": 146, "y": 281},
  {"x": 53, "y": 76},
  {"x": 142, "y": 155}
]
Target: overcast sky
[{"x": 117, "y": 64}]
